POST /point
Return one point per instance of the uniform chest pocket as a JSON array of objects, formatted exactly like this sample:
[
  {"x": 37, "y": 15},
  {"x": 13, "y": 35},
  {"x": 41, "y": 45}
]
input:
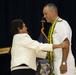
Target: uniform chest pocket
[
  {"x": 55, "y": 34},
  {"x": 56, "y": 37}
]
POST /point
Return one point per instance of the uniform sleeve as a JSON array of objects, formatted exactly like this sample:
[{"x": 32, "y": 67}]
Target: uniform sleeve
[{"x": 65, "y": 31}]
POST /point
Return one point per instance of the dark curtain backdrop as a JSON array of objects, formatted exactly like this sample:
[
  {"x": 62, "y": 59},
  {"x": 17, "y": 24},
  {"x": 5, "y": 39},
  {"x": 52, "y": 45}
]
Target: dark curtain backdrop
[{"x": 30, "y": 11}]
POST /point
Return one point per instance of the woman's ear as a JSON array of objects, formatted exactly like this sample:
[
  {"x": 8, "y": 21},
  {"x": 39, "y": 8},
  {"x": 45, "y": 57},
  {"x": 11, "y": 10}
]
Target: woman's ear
[{"x": 19, "y": 30}]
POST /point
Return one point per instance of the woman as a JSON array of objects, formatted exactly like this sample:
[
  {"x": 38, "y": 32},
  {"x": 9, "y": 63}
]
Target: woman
[{"x": 25, "y": 50}]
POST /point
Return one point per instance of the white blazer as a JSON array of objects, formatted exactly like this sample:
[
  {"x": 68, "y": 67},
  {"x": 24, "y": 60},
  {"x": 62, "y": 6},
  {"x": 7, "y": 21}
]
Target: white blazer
[{"x": 25, "y": 50}]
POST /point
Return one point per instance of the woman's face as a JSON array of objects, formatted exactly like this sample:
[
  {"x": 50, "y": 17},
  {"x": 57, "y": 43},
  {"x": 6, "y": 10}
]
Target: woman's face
[{"x": 24, "y": 29}]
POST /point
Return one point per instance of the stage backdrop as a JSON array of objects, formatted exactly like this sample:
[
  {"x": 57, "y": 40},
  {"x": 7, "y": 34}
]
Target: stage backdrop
[{"x": 30, "y": 11}]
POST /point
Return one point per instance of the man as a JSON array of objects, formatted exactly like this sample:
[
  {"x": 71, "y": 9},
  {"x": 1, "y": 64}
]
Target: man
[{"x": 64, "y": 62}]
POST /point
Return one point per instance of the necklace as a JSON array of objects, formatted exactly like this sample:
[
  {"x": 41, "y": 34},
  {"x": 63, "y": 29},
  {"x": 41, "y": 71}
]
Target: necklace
[{"x": 50, "y": 39}]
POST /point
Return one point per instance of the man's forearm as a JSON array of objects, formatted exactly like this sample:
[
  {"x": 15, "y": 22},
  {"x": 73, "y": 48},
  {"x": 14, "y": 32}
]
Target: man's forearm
[{"x": 65, "y": 53}]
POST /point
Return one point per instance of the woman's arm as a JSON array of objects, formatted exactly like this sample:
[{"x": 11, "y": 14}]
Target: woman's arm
[{"x": 64, "y": 44}]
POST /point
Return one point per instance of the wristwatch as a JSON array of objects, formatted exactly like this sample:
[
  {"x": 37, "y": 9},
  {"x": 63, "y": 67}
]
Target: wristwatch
[{"x": 63, "y": 63}]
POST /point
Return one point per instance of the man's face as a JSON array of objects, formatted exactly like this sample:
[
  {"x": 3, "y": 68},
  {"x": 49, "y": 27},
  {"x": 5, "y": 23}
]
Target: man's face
[{"x": 47, "y": 14}]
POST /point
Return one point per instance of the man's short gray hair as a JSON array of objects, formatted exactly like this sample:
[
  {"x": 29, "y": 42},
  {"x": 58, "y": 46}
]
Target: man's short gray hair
[{"x": 51, "y": 5}]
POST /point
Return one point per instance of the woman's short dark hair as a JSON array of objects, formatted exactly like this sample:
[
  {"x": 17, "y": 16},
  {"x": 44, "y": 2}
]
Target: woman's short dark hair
[{"x": 15, "y": 24}]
